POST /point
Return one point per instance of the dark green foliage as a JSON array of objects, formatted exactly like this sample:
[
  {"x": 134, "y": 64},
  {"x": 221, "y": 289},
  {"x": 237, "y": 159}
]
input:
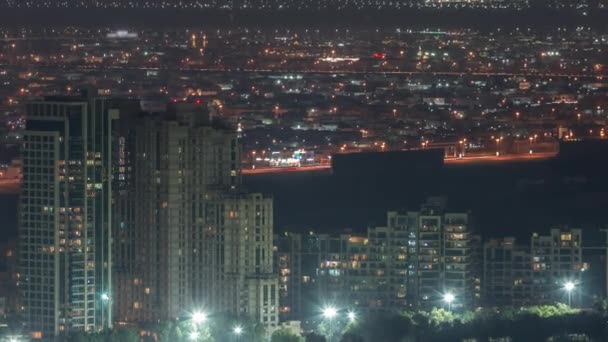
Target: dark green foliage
[
  {"x": 312, "y": 337},
  {"x": 539, "y": 323},
  {"x": 285, "y": 335},
  {"x": 114, "y": 335}
]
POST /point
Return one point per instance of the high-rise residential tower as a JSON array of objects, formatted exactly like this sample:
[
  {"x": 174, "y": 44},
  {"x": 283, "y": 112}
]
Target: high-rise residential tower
[
  {"x": 65, "y": 257},
  {"x": 199, "y": 241},
  {"x": 411, "y": 263}
]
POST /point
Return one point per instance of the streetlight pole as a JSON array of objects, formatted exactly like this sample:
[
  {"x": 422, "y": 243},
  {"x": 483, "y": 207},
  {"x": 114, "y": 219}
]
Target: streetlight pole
[
  {"x": 238, "y": 330},
  {"x": 498, "y": 146},
  {"x": 330, "y": 313},
  {"x": 449, "y": 298},
  {"x": 198, "y": 319},
  {"x": 105, "y": 298},
  {"x": 606, "y": 232},
  {"x": 569, "y": 287}
]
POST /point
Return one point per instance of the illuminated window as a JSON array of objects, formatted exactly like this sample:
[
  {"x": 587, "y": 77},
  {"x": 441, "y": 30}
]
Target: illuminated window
[{"x": 566, "y": 237}]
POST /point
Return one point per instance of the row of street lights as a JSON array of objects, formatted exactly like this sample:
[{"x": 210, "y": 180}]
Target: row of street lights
[
  {"x": 331, "y": 312},
  {"x": 569, "y": 286}
]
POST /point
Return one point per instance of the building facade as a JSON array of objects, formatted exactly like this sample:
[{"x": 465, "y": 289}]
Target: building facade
[
  {"x": 534, "y": 274},
  {"x": 408, "y": 264},
  {"x": 288, "y": 264},
  {"x": 65, "y": 237},
  {"x": 199, "y": 241}
]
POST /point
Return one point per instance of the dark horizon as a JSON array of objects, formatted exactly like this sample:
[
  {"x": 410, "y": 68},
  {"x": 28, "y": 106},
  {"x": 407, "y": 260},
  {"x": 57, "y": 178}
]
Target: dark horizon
[{"x": 467, "y": 18}]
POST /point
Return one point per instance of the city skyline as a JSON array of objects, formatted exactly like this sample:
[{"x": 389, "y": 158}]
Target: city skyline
[{"x": 284, "y": 171}]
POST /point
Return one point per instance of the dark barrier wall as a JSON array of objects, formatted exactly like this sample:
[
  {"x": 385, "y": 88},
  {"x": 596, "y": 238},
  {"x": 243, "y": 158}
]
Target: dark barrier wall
[
  {"x": 387, "y": 164},
  {"x": 589, "y": 150}
]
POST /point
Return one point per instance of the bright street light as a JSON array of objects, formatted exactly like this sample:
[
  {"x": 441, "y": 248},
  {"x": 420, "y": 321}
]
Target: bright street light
[
  {"x": 569, "y": 287},
  {"x": 330, "y": 312},
  {"x": 199, "y": 317},
  {"x": 352, "y": 316},
  {"x": 449, "y": 298},
  {"x": 237, "y": 330},
  {"x": 105, "y": 297}
]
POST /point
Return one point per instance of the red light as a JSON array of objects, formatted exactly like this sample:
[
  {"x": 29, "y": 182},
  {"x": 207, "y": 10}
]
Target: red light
[
  {"x": 174, "y": 100},
  {"x": 197, "y": 101},
  {"x": 379, "y": 56}
]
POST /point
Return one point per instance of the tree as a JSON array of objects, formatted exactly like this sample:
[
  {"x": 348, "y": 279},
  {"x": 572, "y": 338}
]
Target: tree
[
  {"x": 123, "y": 335},
  {"x": 380, "y": 327},
  {"x": 312, "y": 337},
  {"x": 77, "y": 336},
  {"x": 546, "y": 311},
  {"x": 285, "y": 335},
  {"x": 221, "y": 328},
  {"x": 601, "y": 306},
  {"x": 440, "y": 317},
  {"x": 350, "y": 337}
]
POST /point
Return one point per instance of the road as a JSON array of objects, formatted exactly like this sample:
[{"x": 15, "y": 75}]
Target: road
[
  {"x": 355, "y": 72},
  {"x": 9, "y": 186},
  {"x": 331, "y": 72},
  {"x": 285, "y": 169},
  {"x": 506, "y": 158},
  {"x": 466, "y": 160}
]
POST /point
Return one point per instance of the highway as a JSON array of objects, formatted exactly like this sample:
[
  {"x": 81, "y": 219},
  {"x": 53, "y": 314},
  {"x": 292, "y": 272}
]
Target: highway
[
  {"x": 356, "y": 72},
  {"x": 506, "y": 158},
  {"x": 9, "y": 186},
  {"x": 285, "y": 169},
  {"x": 329, "y": 72},
  {"x": 477, "y": 159}
]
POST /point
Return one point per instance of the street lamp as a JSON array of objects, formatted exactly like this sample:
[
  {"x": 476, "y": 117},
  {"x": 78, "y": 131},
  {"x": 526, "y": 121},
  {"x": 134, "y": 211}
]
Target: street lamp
[
  {"x": 352, "y": 316},
  {"x": 199, "y": 317},
  {"x": 498, "y": 147},
  {"x": 105, "y": 298},
  {"x": 330, "y": 312},
  {"x": 463, "y": 147},
  {"x": 569, "y": 287},
  {"x": 238, "y": 331},
  {"x": 449, "y": 298}
]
